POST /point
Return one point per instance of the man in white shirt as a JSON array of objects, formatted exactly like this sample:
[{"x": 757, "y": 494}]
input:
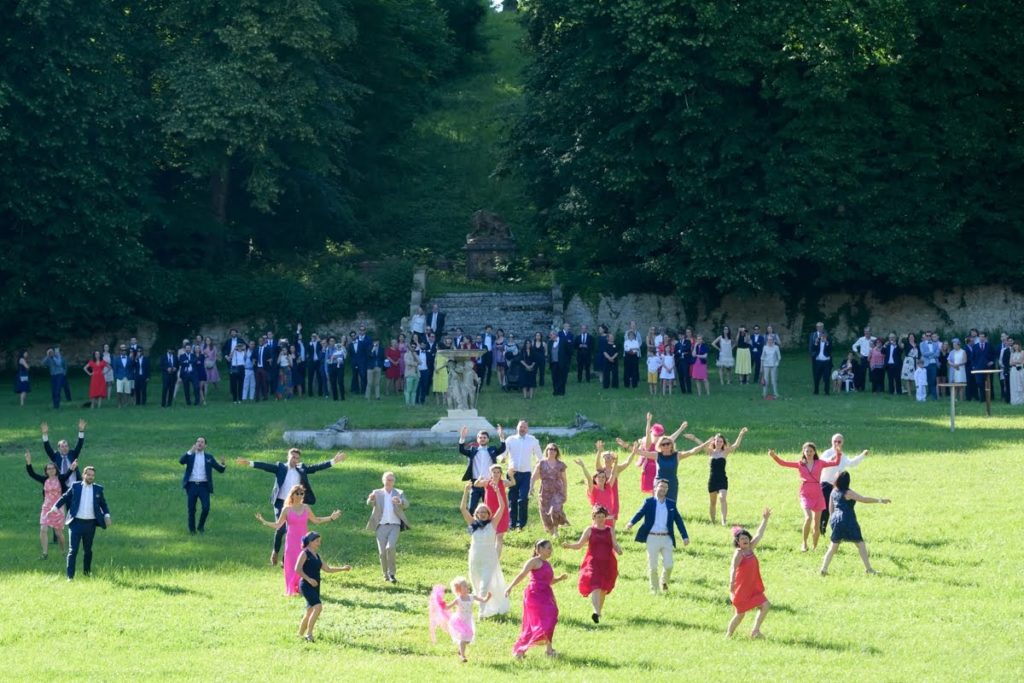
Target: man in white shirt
[
  {"x": 862, "y": 347},
  {"x": 481, "y": 457},
  {"x": 522, "y": 448},
  {"x": 660, "y": 520},
  {"x": 829, "y": 474},
  {"x": 87, "y": 509},
  {"x": 387, "y": 520},
  {"x": 286, "y": 476},
  {"x": 198, "y": 482}
]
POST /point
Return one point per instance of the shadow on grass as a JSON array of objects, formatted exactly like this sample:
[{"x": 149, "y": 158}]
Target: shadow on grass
[
  {"x": 823, "y": 646},
  {"x": 587, "y": 662},
  {"x": 164, "y": 588}
]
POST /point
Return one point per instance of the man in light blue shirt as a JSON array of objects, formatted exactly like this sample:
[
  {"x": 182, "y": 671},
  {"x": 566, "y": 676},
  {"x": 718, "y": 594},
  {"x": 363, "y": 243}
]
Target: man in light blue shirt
[{"x": 930, "y": 354}]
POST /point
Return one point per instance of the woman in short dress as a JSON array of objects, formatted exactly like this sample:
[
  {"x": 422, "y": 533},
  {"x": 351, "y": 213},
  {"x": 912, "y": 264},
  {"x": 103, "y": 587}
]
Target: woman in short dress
[
  {"x": 201, "y": 373},
  {"x": 726, "y": 363},
  {"x": 308, "y": 566},
  {"x": 746, "y": 590},
  {"x": 211, "y": 354},
  {"x": 718, "y": 481},
  {"x": 809, "y": 466},
  {"x": 843, "y": 519},
  {"x": 21, "y": 380},
  {"x": 550, "y": 472},
  {"x": 54, "y": 486},
  {"x": 500, "y": 362},
  {"x": 97, "y": 383},
  {"x": 699, "y": 369}
]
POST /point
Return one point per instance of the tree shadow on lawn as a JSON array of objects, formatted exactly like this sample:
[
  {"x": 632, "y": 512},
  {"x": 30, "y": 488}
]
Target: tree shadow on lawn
[{"x": 167, "y": 589}]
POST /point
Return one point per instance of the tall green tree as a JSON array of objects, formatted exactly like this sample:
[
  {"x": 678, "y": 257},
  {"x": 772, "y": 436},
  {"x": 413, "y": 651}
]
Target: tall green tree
[
  {"x": 73, "y": 193},
  {"x": 720, "y": 147}
]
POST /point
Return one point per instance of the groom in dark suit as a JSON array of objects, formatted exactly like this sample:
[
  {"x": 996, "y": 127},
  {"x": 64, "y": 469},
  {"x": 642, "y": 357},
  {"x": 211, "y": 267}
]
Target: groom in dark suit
[
  {"x": 198, "y": 482},
  {"x": 86, "y": 510},
  {"x": 287, "y": 475}
]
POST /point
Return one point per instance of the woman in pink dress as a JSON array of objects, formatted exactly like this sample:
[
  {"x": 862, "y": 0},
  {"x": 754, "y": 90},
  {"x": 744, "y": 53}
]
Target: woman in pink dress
[
  {"x": 210, "y": 354},
  {"x": 811, "y": 499},
  {"x": 297, "y": 515},
  {"x": 601, "y": 491},
  {"x": 97, "y": 382},
  {"x": 496, "y": 498},
  {"x": 608, "y": 462},
  {"x": 540, "y": 611},
  {"x": 600, "y": 568},
  {"x": 54, "y": 485}
]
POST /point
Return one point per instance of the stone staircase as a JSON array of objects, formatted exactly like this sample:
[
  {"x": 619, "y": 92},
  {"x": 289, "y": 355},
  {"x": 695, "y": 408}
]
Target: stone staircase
[{"x": 521, "y": 313}]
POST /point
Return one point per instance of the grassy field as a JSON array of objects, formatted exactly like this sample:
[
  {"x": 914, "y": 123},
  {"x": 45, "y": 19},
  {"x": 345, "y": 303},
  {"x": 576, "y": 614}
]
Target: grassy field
[{"x": 946, "y": 605}]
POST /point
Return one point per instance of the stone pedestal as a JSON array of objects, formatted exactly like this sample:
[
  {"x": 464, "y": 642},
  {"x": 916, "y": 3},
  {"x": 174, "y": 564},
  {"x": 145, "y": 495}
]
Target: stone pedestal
[{"x": 457, "y": 419}]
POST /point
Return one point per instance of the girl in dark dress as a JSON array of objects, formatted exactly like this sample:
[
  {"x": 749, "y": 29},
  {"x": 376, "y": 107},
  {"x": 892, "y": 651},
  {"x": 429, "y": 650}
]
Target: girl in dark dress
[
  {"x": 718, "y": 482},
  {"x": 309, "y": 567},
  {"x": 843, "y": 519}
]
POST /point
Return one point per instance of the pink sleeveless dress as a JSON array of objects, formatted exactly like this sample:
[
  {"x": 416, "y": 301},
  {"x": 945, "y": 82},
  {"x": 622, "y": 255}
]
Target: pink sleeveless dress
[
  {"x": 540, "y": 611},
  {"x": 298, "y": 526}
]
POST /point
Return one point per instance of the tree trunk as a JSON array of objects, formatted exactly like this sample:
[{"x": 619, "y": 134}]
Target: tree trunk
[{"x": 219, "y": 193}]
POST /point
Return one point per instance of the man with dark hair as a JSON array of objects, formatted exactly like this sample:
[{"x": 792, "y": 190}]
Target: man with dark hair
[
  {"x": 821, "y": 359},
  {"x": 86, "y": 510},
  {"x": 287, "y": 475},
  {"x": 198, "y": 482},
  {"x": 584, "y": 344},
  {"x": 481, "y": 457},
  {"x": 169, "y": 378},
  {"x": 661, "y": 518}
]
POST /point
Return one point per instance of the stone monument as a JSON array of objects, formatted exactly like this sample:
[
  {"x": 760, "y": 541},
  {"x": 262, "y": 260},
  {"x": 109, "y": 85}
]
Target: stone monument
[
  {"x": 489, "y": 242},
  {"x": 463, "y": 385}
]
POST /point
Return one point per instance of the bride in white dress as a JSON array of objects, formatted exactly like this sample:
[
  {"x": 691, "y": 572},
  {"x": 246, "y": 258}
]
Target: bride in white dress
[{"x": 485, "y": 573}]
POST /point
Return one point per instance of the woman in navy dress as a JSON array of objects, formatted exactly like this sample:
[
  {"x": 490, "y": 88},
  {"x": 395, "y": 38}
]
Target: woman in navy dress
[
  {"x": 309, "y": 566},
  {"x": 21, "y": 383},
  {"x": 668, "y": 463},
  {"x": 843, "y": 520}
]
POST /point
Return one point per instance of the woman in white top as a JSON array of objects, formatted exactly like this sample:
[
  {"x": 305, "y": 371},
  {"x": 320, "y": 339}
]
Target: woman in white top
[
  {"x": 829, "y": 474},
  {"x": 957, "y": 362},
  {"x": 418, "y": 325},
  {"x": 485, "y": 573},
  {"x": 1017, "y": 375},
  {"x": 723, "y": 344},
  {"x": 285, "y": 358},
  {"x": 771, "y": 356},
  {"x": 631, "y": 360}
]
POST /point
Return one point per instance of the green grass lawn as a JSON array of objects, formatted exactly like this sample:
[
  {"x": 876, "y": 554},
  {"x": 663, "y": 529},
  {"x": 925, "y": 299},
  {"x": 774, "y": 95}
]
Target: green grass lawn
[{"x": 947, "y": 604}]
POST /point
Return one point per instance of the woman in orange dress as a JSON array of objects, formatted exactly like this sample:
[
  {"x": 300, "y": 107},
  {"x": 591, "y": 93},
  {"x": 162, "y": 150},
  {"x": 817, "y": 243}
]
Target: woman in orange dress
[{"x": 746, "y": 590}]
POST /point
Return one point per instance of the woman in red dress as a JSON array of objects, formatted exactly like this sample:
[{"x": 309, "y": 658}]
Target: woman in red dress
[
  {"x": 491, "y": 496},
  {"x": 746, "y": 590},
  {"x": 600, "y": 568},
  {"x": 97, "y": 382},
  {"x": 393, "y": 371}
]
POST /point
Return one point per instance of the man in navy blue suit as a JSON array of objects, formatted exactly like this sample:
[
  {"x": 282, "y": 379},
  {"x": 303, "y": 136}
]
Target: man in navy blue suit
[
  {"x": 660, "y": 518},
  {"x": 983, "y": 357},
  {"x": 169, "y": 375},
  {"x": 481, "y": 457},
  {"x": 86, "y": 510},
  {"x": 756, "y": 349},
  {"x": 566, "y": 344},
  {"x": 198, "y": 482},
  {"x": 287, "y": 475},
  {"x": 141, "y": 376}
]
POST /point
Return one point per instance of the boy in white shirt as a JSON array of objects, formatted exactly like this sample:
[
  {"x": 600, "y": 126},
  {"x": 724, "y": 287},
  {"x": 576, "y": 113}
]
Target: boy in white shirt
[
  {"x": 653, "y": 367},
  {"x": 921, "y": 380}
]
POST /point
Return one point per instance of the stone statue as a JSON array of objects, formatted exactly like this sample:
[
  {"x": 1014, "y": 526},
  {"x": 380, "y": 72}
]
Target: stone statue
[
  {"x": 488, "y": 224},
  {"x": 463, "y": 384}
]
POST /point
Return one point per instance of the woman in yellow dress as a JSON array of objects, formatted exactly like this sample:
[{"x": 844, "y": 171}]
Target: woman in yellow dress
[{"x": 440, "y": 383}]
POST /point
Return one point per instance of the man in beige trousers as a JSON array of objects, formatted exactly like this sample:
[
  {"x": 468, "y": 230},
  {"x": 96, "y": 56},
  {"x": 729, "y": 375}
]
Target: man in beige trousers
[{"x": 387, "y": 520}]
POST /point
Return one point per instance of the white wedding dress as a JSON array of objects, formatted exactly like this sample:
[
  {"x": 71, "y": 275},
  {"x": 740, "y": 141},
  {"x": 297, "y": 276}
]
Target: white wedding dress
[{"x": 485, "y": 573}]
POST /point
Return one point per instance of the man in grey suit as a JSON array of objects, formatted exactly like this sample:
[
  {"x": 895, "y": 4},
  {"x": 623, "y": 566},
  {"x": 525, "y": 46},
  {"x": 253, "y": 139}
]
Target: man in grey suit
[{"x": 387, "y": 520}]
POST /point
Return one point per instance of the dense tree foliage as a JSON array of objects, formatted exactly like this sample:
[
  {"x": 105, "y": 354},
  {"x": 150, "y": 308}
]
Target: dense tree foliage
[
  {"x": 711, "y": 147},
  {"x": 156, "y": 153}
]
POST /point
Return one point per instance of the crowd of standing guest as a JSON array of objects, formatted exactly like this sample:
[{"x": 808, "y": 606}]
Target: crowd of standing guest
[{"x": 359, "y": 364}]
